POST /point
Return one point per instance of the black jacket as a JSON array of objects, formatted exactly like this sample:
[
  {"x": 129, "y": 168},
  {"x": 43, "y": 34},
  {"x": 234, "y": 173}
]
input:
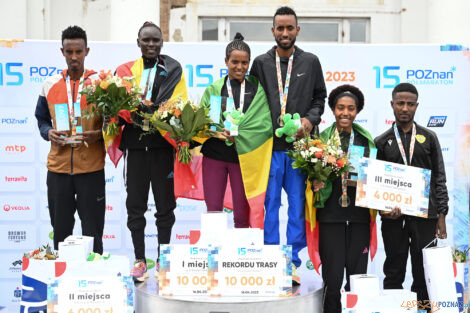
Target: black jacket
[
  {"x": 169, "y": 73},
  {"x": 427, "y": 154},
  {"x": 307, "y": 89}
]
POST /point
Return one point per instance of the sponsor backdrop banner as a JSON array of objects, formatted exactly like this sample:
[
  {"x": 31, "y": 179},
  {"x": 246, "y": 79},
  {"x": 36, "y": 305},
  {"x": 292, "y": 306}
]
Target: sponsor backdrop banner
[{"x": 441, "y": 74}]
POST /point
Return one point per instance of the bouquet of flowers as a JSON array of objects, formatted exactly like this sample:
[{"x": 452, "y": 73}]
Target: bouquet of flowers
[
  {"x": 319, "y": 160},
  {"x": 183, "y": 120},
  {"x": 460, "y": 255},
  {"x": 43, "y": 253},
  {"x": 111, "y": 95}
]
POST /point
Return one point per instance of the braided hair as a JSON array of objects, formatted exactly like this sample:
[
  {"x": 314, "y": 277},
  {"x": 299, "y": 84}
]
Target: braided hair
[
  {"x": 237, "y": 43},
  {"x": 346, "y": 91},
  {"x": 148, "y": 24}
]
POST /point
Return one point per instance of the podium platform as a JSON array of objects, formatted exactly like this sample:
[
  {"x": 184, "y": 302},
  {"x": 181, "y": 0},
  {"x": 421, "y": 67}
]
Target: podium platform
[{"x": 304, "y": 299}]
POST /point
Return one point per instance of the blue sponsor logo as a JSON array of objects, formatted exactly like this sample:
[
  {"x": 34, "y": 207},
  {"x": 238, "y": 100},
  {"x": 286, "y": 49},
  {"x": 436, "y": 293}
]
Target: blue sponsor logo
[
  {"x": 388, "y": 168},
  {"x": 437, "y": 121},
  {"x": 110, "y": 179},
  {"x": 389, "y": 76},
  {"x": 10, "y": 74},
  {"x": 38, "y": 74},
  {"x": 13, "y": 121}
]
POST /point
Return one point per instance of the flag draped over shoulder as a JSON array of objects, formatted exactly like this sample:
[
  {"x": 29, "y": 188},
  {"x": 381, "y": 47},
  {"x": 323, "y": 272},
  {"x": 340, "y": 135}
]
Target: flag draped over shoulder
[
  {"x": 172, "y": 87},
  {"x": 254, "y": 147},
  {"x": 313, "y": 202}
]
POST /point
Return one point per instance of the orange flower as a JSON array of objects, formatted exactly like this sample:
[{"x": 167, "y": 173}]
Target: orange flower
[
  {"x": 177, "y": 113},
  {"x": 128, "y": 85},
  {"x": 319, "y": 154},
  {"x": 104, "y": 74},
  {"x": 341, "y": 162},
  {"x": 104, "y": 85},
  {"x": 331, "y": 159},
  {"x": 87, "y": 82}
]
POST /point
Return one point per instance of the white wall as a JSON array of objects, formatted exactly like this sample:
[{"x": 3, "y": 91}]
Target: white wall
[
  {"x": 392, "y": 21},
  {"x": 103, "y": 20}
]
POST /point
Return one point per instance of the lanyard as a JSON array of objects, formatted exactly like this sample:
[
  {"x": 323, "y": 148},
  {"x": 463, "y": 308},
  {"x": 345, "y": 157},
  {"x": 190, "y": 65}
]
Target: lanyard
[
  {"x": 70, "y": 102},
  {"x": 242, "y": 93},
  {"x": 400, "y": 144},
  {"x": 147, "y": 80},
  {"x": 344, "y": 177},
  {"x": 283, "y": 92}
]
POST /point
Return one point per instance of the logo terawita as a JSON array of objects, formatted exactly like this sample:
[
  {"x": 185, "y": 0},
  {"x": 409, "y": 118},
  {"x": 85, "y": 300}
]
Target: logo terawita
[{"x": 437, "y": 121}]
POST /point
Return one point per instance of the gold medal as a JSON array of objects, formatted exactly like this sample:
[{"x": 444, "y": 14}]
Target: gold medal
[
  {"x": 146, "y": 126},
  {"x": 344, "y": 201}
]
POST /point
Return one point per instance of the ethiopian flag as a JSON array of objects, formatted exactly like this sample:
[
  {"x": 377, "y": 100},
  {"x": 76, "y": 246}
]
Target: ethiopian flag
[
  {"x": 317, "y": 200},
  {"x": 254, "y": 145}
]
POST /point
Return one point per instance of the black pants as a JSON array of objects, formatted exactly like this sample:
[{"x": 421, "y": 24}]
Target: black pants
[
  {"x": 84, "y": 193},
  {"x": 144, "y": 168},
  {"x": 399, "y": 236},
  {"x": 341, "y": 246}
]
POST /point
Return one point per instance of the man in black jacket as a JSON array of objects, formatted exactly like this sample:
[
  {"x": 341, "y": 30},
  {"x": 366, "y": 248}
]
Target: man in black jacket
[
  {"x": 293, "y": 81},
  {"x": 411, "y": 144}
]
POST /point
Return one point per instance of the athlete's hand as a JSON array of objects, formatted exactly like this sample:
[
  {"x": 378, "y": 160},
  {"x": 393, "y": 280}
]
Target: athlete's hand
[
  {"x": 441, "y": 231},
  {"x": 91, "y": 136},
  {"x": 394, "y": 214},
  {"x": 55, "y": 137},
  {"x": 227, "y": 136},
  {"x": 317, "y": 185},
  {"x": 306, "y": 128}
]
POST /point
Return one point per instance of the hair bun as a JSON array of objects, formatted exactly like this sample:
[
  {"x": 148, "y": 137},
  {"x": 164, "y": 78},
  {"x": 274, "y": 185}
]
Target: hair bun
[{"x": 238, "y": 36}]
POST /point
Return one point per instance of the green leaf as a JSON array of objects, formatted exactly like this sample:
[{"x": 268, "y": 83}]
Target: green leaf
[
  {"x": 187, "y": 118},
  {"x": 163, "y": 126}
]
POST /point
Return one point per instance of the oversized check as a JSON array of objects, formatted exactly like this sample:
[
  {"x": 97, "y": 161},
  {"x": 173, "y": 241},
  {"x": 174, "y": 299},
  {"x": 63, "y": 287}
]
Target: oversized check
[
  {"x": 384, "y": 185},
  {"x": 251, "y": 271},
  {"x": 184, "y": 270}
]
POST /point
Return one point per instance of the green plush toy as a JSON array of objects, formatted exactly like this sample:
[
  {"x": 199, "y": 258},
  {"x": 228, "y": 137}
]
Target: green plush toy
[
  {"x": 291, "y": 126},
  {"x": 232, "y": 121}
]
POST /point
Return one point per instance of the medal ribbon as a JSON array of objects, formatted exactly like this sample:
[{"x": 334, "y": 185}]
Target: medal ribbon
[
  {"x": 283, "y": 92},
  {"x": 147, "y": 80},
  {"x": 344, "y": 177},
  {"x": 69, "y": 94},
  {"x": 242, "y": 93},
  {"x": 400, "y": 144}
]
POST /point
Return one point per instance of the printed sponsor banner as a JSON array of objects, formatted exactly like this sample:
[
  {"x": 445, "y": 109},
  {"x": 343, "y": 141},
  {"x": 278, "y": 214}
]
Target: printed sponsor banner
[
  {"x": 17, "y": 208},
  {"x": 17, "y": 121},
  {"x": 114, "y": 208},
  {"x": 113, "y": 177},
  {"x": 10, "y": 265},
  {"x": 385, "y": 185},
  {"x": 20, "y": 237},
  {"x": 112, "y": 236},
  {"x": 17, "y": 149},
  {"x": 17, "y": 178}
]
